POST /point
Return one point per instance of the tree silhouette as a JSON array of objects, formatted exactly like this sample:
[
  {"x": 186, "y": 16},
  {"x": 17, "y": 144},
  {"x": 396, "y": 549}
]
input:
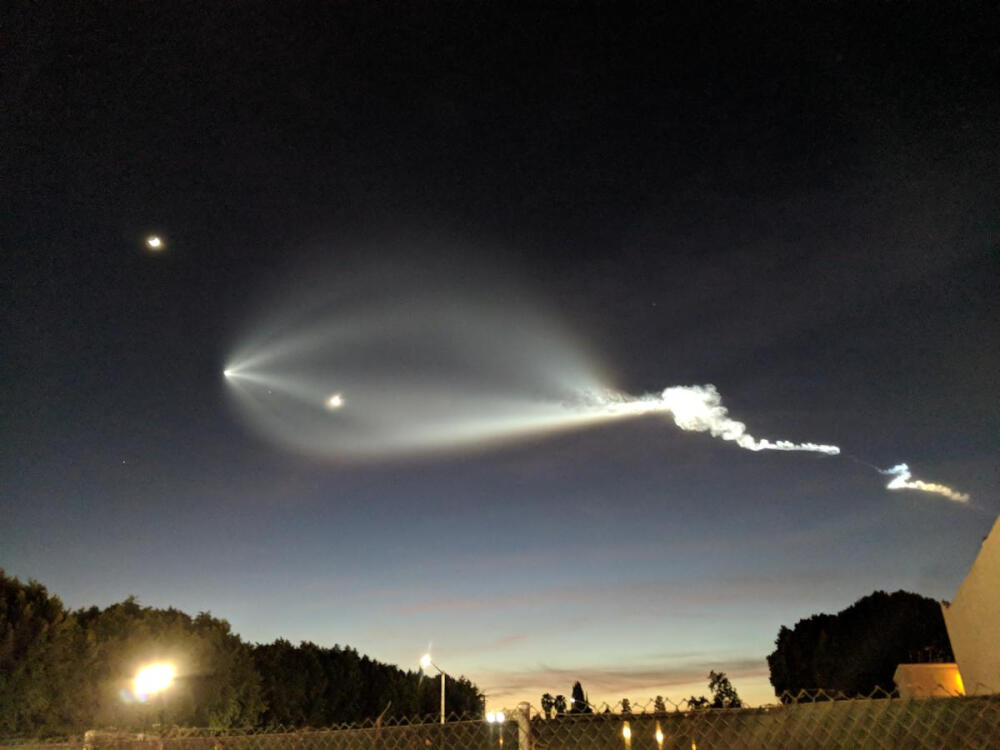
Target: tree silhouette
[
  {"x": 560, "y": 705},
  {"x": 659, "y": 705},
  {"x": 580, "y": 704},
  {"x": 858, "y": 649},
  {"x": 547, "y": 704},
  {"x": 626, "y": 706},
  {"x": 42, "y": 647},
  {"x": 723, "y": 693},
  {"x": 64, "y": 672}
]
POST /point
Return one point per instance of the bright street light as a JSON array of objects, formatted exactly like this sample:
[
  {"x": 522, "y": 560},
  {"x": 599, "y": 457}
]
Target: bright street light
[
  {"x": 153, "y": 679},
  {"x": 426, "y": 663}
]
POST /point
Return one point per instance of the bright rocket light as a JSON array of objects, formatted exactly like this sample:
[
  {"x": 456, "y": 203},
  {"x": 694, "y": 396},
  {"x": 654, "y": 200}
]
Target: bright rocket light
[
  {"x": 902, "y": 481},
  {"x": 335, "y": 402},
  {"x": 154, "y": 242}
]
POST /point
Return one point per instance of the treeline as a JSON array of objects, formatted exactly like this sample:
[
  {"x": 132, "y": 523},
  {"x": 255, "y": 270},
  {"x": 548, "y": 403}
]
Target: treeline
[
  {"x": 308, "y": 685},
  {"x": 67, "y": 671},
  {"x": 857, "y": 650},
  {"x": 724, "y": 695}
]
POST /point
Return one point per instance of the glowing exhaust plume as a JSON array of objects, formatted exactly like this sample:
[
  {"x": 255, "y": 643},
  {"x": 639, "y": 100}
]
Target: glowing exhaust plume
[
  {"x": 404, "y": 371},
  {"x": 698, "y": 408},
  {"x": 396, "y": 362},
  {"x": 902, "y": 481}
]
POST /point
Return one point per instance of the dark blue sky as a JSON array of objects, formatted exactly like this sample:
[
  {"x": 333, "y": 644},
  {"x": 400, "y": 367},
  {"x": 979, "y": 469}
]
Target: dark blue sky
[{"x": 796, "y": 205}]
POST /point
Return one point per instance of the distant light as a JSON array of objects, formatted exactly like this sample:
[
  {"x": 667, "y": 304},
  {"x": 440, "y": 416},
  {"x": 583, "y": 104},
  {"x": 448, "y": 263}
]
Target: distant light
[
  {"x": 153, "y": 679},
  {"x": 154, "y": 242},
  {"x": 491, "y": 717},
  {"x": 425, "y": 662},
  {"x": 335, "y": 401},
  {"x": 627, "y": 732},
  {"x": 500, "y": 717},
  {"x": 659, "y": 736}
]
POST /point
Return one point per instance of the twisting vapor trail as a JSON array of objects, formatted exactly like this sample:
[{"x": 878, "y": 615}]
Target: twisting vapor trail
[
  {"x": 698, "y": 408},
  {"x": 902, "y": 481}
]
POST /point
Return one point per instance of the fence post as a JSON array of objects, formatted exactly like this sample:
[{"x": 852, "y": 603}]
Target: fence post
[{"x": 523, "y": 718}]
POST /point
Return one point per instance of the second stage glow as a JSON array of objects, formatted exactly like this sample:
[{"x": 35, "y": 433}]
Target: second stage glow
[{"x": 902, "y": 480}]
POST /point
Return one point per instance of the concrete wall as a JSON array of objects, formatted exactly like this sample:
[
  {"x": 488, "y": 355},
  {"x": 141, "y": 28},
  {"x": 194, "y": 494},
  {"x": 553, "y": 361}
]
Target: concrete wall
[{"x": 973, "y": 620}]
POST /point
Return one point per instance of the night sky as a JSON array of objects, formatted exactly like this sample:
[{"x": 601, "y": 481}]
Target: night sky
[{"x": 798, "y": 205}]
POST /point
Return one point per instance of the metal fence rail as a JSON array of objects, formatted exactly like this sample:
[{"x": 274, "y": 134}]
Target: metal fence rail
[{"x": 809, "y": 723}]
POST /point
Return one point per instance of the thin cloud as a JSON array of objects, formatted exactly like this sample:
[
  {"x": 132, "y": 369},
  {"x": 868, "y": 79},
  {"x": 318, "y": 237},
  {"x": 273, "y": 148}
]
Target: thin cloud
[
  {"x": 614, "y": 683},
  {"x": 497, "y": 644},
  {"x": 642, "y": 593}
]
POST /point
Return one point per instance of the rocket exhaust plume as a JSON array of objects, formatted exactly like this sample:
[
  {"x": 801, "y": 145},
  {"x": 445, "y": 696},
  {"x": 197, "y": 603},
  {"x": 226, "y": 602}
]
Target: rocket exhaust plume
[
  {"x": 373, "y": 365},
  {"x": 902, "y": 481},
  {"x": 698, "y": 408}
]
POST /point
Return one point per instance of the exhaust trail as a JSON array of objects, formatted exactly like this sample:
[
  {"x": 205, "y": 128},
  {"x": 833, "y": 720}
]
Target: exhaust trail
[
  {"x": 902, "y": 481},
  {"x": 698, "y": 408},
  {"x": 372, "y": 367}
]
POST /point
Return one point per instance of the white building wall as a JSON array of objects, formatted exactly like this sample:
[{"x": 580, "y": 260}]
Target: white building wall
[{"x": 973, "y": 620}]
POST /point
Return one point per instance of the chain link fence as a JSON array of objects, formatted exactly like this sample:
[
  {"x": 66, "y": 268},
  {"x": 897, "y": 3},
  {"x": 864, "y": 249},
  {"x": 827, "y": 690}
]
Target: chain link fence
[{"x": 815, "y": 721}]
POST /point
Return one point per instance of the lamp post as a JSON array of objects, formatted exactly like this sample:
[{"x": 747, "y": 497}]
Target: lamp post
[
  {"x": 498, "y": 718},
  {"x": 152, "y": 680},
  {"x": 425, "y": 664}
]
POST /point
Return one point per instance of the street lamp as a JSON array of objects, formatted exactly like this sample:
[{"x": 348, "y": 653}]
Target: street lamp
[
  {"x": 496, "y": 717},
  {"x": 153, "y": 679},
  {"x": 425, "y": 664}
]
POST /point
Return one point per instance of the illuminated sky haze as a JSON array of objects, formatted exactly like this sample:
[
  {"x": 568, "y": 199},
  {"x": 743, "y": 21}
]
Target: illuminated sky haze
[{"x": 458, "y": 219}]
